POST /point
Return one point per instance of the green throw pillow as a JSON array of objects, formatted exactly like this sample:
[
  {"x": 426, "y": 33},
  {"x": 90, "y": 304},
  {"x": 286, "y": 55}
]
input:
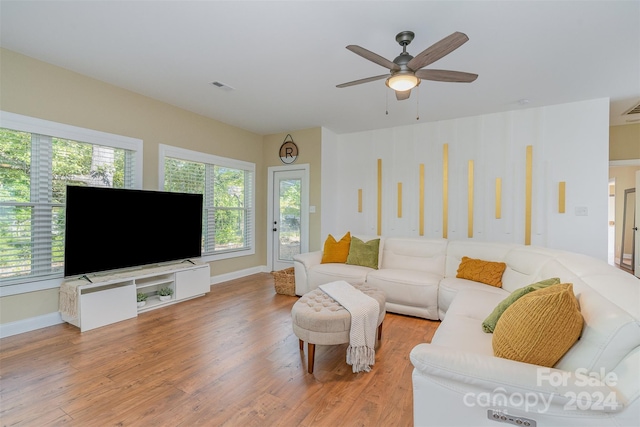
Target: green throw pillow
[
  {"x": 364, "y": 254},
  {"x": 490, "y": 322}
]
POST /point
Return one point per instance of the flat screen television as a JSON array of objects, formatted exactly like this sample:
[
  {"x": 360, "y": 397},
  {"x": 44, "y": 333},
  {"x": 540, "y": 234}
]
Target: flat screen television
[{"x": 111, "y": 228}]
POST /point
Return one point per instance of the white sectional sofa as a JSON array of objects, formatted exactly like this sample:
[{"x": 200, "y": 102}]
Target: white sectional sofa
[
  {"x": 457, "y": 380},
  {"x": 409, "y": 272}
]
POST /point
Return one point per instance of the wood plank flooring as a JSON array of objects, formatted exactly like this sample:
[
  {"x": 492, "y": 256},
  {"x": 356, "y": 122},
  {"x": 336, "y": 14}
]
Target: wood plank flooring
[{"x": 229, "y": 358}]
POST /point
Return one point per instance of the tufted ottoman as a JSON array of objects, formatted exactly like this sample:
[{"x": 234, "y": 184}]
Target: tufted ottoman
[{"x": 319, "y": 319}]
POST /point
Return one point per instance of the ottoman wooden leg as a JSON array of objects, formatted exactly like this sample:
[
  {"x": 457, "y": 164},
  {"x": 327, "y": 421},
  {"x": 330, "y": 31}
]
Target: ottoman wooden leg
[
  {"x": 301, "y": 345},
  {"x": 311, "y": 349},
  {"x": 380, "y": 331}
]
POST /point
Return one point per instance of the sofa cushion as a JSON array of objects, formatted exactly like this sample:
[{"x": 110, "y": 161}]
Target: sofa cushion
[
  {"x": 408, "y": 288},
  {"x": 336, "y": 251},
  {"x": 325, "y": 273},
  {"x": 364, "y": 253},
  {"x": 540, "y": 327},
  {"x": 450, "y": 286},
  {"x": 524, "y": 265},
  {"x": 489, "y": 324},
  {"x": 482, "y": 271},
  {"x": 415, "y": 254},
  {"x": 461, "y": 330}
]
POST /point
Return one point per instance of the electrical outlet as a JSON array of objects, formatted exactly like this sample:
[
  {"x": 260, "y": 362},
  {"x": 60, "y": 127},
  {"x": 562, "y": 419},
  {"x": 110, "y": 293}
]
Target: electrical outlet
[
  {"x": 582, "y": 211},
  {"x": 503, "y": 417}
]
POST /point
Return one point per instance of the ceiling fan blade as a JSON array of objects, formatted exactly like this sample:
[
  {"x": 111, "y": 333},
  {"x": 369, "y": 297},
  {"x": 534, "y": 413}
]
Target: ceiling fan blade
[
  {"x": 402, "y": 95},
  {"x": 367, "y": 80},
  {"x": 373, "y": 57},
  {"x": 438, "y": 50},
  {"x": 446, "y": 76}
]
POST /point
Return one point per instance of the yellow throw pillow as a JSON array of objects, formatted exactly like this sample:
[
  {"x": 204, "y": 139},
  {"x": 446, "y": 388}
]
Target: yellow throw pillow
[
  {"x": 486, "y": 272},
  {"x": 540, "y": 327},
  {"x": 336, "y": 251},
  {"x": 490, "y": 322}
]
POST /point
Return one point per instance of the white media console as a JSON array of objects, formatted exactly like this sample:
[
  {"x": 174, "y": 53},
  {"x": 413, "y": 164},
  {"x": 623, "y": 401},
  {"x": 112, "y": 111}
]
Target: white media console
[{"x": 111, "y": 298}]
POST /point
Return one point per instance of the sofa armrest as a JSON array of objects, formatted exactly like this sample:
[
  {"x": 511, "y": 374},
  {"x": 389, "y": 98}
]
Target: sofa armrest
[
  {"x": 498, "y": 379},
  {"x": 301, "y": 265},
  {"x": 308, "y": 259}
]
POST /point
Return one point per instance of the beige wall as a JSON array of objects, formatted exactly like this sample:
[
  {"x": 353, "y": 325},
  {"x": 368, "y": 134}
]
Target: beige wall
[
  {"x": 624, "y": 142},
  {"x": 309, "y": 144},
  {"x": 25, "y": 306},
  {"x": 37, "y": 89}
]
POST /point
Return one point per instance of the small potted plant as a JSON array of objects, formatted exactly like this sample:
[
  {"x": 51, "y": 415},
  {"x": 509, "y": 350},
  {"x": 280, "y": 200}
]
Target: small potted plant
[
  {"x": 142, "y": 299},
  {"x": 165, "y": 293}
]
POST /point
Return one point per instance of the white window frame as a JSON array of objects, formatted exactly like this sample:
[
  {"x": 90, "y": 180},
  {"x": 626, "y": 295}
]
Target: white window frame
[
  {"x": 28, "y": 124},
  {"x": 199, "y": 157}
]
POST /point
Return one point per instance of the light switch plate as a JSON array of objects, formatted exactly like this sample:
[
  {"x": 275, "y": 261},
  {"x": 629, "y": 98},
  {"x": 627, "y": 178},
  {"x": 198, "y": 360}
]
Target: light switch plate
[{"x": 582, "y": 211}]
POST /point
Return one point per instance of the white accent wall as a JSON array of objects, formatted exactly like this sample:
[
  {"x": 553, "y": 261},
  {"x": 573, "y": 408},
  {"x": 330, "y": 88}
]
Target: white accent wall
[{"x": 570, "y": 143}]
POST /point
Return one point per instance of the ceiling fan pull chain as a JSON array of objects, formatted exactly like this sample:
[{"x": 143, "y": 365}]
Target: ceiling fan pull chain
[
  {"x": 386, "y": 107},
  {"x": 417, "y": 103}
]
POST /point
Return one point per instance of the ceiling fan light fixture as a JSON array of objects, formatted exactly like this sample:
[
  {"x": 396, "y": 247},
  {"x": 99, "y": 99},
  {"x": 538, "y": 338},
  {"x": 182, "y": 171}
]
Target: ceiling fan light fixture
[{"x": 402, "y": 82}]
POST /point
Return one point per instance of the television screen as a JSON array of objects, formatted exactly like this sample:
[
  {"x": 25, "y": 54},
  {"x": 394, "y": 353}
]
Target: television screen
[{"x": 112, "y": 228}]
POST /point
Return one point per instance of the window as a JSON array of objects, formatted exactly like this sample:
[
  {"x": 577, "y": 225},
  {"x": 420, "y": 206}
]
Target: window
[
  {"x": 38, "y": 159},
  {"x": 227, "y": 188}
]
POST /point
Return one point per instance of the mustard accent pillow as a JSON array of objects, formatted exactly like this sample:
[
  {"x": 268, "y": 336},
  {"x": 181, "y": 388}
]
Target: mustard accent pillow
[
  {"x": 336, "y": 251},
  {"x": 364, "y": 253},
  {"x": 540, "y": 327},
  {"x": 489, "y": 323},
  {"x": 486, "y": 272}
]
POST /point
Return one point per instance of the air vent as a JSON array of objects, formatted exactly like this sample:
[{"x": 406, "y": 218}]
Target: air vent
[
  {"x": 633, "y": 110},
  {"x": 222, "y": 86}
]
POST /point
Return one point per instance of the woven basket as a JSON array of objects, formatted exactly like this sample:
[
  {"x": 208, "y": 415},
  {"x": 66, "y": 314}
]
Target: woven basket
[{"x": 285, "y": 281}]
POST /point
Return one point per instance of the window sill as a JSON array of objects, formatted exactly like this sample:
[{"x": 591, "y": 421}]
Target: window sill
[
  {"x": 227, "y": 255},
  {"x": 30, "y": 286}
]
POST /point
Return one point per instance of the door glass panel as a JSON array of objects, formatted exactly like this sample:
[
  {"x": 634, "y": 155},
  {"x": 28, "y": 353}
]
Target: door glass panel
[{"x": 289, "y": 233}]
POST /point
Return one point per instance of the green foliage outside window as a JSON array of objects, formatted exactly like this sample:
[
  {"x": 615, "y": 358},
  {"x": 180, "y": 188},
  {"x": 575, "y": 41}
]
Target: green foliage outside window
[
  {"x": 224, "y": 191},
  {"x": 33, "y": 195},
  {"x": 15, "y": 166},
  {"x": 290, "y": 209}
]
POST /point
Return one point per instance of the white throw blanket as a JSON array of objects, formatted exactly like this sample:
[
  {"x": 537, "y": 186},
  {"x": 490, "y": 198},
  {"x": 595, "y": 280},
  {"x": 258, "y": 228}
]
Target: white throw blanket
[{"x": 364, "y": 311}]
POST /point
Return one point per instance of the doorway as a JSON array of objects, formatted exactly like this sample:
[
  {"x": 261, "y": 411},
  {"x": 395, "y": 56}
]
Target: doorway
[
  {"x": 627, "y": 245},
  {"x": 288, "y": 215},
  {"x": 611, "y": 246}
]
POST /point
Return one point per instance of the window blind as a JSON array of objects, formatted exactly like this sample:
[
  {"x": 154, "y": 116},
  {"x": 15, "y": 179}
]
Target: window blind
[
  {"x": 227, "y": 189},
  {"x": 35, "y": 170}
]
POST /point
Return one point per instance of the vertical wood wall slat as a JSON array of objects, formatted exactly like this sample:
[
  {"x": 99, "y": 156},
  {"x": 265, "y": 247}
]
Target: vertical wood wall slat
[{"x": 528, "y": 195}]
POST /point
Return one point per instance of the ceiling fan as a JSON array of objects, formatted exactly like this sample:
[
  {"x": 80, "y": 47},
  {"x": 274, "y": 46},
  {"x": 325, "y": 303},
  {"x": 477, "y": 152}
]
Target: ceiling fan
[{"x": 406, "y": 72}]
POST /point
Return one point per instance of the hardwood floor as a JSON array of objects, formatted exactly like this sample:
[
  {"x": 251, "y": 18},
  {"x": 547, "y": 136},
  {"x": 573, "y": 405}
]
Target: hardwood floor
[{"x": 227, "y": 359}]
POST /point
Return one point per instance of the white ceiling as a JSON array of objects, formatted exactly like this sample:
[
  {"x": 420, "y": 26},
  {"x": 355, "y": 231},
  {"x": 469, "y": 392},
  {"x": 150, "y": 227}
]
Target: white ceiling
[{"x": 284, "y": 59}]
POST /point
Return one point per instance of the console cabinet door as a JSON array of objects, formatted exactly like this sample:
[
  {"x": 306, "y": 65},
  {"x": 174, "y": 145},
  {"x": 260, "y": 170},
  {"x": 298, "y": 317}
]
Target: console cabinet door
[
  {"x": 190, "y": 283},
  {"x": 108, "y": 304}
]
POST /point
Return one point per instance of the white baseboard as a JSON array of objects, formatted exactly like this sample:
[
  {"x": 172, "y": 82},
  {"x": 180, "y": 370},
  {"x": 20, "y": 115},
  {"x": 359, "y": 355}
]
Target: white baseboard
[
  {"x": 238, "y": 274},
  {"x": 33, "y": 323},
  {"x": 30, "y": 324}
]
